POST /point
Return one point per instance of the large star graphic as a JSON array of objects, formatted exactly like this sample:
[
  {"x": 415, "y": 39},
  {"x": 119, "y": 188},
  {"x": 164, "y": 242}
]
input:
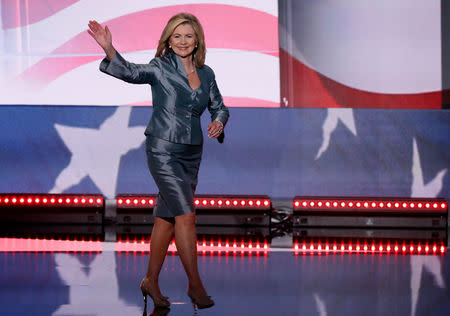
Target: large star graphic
[
  {"x": 419, "y": 188},
  {"x": 97, "y": 152},
  {"x": 330, "y": 124},
  {"x": 321, "y": 307},
  {"x": 418, "y": 263},
  {"x": 100, "y": 285}
]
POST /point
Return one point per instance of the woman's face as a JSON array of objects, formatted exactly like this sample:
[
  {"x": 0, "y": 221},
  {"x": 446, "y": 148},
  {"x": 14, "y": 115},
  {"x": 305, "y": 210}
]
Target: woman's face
[{"x": 183, "y": 40}]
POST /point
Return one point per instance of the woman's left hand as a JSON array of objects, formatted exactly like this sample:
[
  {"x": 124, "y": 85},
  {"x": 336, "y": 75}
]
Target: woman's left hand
[{"x": 215, "y": 129}]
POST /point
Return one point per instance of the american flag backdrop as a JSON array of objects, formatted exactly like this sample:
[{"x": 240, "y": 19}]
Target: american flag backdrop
[
  {"x": 96, "y": 145},
  {"x": 369, "y": 54},
  {"x": 328, "y": 122},
  {"x": 49, "y": 58}
]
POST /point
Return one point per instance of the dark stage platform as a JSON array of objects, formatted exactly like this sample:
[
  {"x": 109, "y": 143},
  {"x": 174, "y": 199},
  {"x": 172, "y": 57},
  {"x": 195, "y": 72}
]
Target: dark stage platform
[{"x": 40, "y": 277}]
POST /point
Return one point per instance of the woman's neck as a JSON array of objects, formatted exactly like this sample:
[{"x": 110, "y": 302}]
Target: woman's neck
[{"x": 187, "y": 62}]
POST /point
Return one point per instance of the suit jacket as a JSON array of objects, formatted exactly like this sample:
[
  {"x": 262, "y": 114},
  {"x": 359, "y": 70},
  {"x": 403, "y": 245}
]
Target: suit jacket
[{"x": 176, "y": 106}]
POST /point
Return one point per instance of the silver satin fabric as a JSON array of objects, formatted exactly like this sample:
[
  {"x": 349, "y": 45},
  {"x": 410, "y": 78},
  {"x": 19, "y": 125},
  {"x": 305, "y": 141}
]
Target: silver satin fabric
[
  {"x": 174, "y": 168},
  {"x": 176, "y": 106},
  {"x": 174, "y": 135}
]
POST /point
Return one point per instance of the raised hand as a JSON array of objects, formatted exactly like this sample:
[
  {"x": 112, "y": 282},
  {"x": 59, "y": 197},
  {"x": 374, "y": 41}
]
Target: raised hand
[{"x": 103, "y": 37}]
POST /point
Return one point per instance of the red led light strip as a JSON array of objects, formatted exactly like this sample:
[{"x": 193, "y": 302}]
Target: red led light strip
[
  {"x": 202, "y": 247},
  {"x": 201, "y": 202},
  {"x": 135, "y": 202},
  {"x": 50, "y": 245},
  {"x": 395, "y": 204},
  {"x": 50, "y": 200},
  {"x": 43, "y": 245},
  {"x": 380, "y": 248},
  {"x": 232, "y": 202}
]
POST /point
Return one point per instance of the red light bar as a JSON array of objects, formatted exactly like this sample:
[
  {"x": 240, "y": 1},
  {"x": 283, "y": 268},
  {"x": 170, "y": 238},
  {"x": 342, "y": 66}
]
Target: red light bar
[
  {"x": 380, "y": 205},
  {"x": 212, "y": 246},
  {"x": 368, "y": 247},
  {"x": 52, "y": 245},
  {"x": 233, "y": 202},
  {"x": 222, "y": 202},
  {"x": 49, "y": 245},
  {"x": 136, "y": 201},
  {"x": 50, "y": 200}
]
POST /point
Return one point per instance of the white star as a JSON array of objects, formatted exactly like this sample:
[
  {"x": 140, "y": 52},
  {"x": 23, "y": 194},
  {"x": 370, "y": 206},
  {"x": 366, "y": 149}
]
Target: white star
[
  {"x": 419, "y": 188},
  {"x": 330, "y": 124},
  {"x": 322, "y": 309},
  {"x": 93, "y": 293},
  {"x": 418, "y": 263},
  {"x": 97, "y": 152}
]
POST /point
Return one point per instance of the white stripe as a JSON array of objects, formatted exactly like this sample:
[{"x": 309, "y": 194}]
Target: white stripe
[
  {"x": 383, "y": 46},
  {"x": 50, "y": 33},
  {"x": 238, "y": 73}
]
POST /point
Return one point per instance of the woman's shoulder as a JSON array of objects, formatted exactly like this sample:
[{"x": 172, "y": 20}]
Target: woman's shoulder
[
  {"x": 161, "y": 58},
  {"x": 156, "y": 60},
  {"x": 164, "y": 61},
  {"x": 208, "y": 70}
]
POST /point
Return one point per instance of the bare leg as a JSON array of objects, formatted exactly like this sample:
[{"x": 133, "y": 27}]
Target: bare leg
[
  {"x": 186, "y": 240},
  {"x": 162, "y": 234}
]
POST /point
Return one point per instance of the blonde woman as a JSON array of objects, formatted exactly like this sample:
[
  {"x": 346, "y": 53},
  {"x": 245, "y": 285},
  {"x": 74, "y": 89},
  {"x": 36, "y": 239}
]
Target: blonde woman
[{"x": 182, "y": 88}]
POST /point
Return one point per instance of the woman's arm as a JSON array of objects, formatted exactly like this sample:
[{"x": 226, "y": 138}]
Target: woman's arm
[
  {"x": 115, "y": 65},
  {"x": 219, "y": 112},
  {"x": 133, "y": 73}
]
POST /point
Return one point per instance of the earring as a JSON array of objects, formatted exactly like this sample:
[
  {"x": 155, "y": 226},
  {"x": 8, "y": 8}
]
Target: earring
[{"x": 170, "y": 46}]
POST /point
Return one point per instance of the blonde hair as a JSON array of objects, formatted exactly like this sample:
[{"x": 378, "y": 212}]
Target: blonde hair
[{"x": 178, "y": 19}]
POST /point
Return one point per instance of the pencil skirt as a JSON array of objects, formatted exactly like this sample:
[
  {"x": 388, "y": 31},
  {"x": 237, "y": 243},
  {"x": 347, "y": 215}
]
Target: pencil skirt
[{"x": 174, "y": 167}]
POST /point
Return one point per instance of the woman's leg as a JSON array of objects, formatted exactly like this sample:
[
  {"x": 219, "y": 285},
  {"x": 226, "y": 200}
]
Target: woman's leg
[
  {"x": 162, "y": 234},
  {"x": 186, "y": 241}
]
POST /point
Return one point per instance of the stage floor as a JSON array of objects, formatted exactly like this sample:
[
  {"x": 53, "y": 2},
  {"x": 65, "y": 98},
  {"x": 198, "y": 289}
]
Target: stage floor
[{"x": 275, "y": 282}]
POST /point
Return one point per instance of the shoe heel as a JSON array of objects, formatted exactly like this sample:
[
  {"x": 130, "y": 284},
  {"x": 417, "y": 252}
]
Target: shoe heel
[
  {"x": 205, "y": 302},
  {"x": 194, "y": 306},
  {"x": 161, "y": 302},
  {"x": 145, "y": 296}
]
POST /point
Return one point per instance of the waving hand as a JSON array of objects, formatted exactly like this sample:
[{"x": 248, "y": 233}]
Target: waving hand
[{"x": 103, "y": 37}]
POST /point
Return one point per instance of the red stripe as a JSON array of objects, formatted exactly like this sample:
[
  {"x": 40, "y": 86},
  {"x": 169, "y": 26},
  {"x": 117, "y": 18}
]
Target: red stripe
[
  {"x": 17, "y": 13},
  {"x": 249, "y": 102},
  {"x": 141, "y": 31},
  {"x": 304, "y": 87},
  {"x": 301, "y": 86},
  {"x": 231, "y": 102},
  {"x": 54, "y": 67},
  {"x": 256, "y": 31}
]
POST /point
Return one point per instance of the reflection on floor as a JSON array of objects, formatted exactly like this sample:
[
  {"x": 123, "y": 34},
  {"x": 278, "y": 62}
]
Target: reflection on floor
[{"x": 273, "y": 282}]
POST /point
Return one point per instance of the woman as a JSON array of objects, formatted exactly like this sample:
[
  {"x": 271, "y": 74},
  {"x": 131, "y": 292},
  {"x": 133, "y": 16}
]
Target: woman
[{"x": 182, "y": 88}]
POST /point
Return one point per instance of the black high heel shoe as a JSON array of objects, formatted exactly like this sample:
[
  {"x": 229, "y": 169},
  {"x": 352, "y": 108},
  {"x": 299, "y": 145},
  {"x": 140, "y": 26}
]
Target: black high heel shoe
[
  {"x": 201, "y": 302},
  {"x": 157, "y": 311},
  {"x": 159, "y": 302}
]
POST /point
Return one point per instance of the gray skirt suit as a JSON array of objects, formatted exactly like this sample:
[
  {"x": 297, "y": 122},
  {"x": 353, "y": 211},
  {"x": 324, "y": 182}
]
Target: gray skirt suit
[{"x": 174, "y": 138}]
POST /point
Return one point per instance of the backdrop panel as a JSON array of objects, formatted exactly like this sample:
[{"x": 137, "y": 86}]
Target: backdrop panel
[
  {"x": 278, "y": 152},
  {"x": 379, "y": 54},
  {"x": 47, "y": 56}
]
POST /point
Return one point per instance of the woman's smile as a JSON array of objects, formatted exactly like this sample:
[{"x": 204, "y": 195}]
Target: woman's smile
[{"x": 183, "y": 40}]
